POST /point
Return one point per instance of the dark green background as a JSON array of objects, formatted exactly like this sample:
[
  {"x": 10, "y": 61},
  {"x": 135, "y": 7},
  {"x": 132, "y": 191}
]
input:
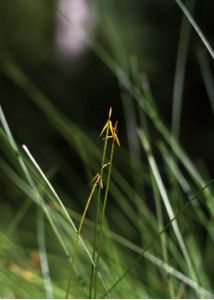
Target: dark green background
[{"x": 85, "y": 88}]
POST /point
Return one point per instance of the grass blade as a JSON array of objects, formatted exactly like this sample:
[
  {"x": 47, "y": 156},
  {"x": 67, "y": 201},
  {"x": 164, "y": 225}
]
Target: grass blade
[
  {"x": 180, "y": 72},
  {"x": 207, "y": 75},
  {"x": 196, "y": 27},
  {"x": 146, "y": 249}
]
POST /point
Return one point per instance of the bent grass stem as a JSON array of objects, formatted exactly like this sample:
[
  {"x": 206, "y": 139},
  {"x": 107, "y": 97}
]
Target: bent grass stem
[{"x": 97, "y": 179}]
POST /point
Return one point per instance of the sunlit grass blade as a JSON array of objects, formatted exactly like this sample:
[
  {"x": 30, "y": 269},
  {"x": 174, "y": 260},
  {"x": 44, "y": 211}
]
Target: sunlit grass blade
[
  {"x": 28, "y": 176},
  {"x": 163, "y": 239},
  {"x": 37, "y": 197},
  {"x": 196, "y": 27},
  {"x": 61, "y": 205},
  {"x": 43, "y": 254},
  {"x": 166, "y": 201},
  {"x": 182, "y": 181}
]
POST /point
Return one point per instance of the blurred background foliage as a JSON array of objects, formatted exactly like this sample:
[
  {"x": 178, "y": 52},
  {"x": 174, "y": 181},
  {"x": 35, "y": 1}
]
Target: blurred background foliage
[{"x": 83, "y": 87}]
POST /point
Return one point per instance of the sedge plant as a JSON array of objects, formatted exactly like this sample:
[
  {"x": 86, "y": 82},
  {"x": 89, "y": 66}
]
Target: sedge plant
[{"x": 108, "y": 134}]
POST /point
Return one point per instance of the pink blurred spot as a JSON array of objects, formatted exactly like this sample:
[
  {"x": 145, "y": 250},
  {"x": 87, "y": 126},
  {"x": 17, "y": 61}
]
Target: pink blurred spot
[{"x": 74, "y": 17}]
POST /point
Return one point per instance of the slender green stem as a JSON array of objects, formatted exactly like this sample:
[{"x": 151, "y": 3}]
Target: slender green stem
[
  {"x": 206, "y": 75},
  {"x": 178, "y": 88},
  {"x": 94, "y": 244},
  {"x": 95, "y": 240},
  {"x": 103, "y": 215},
  {"x": 41, "y": 239},
  {"x": 75, "y": 247},
  {"x": 196, "y": 27}
]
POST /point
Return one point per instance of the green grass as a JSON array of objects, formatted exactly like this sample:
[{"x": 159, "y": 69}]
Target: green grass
[{"x": 139, "y": 235}]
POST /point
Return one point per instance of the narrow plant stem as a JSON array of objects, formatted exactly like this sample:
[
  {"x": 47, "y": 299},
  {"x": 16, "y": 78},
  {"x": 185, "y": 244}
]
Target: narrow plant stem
[
  {"x": 75, "y": 247},
  {"x": 196, "y": 27},
  {"x": 103, "y": 216},
  {"x": 92, "y": 277},
  {"x": 180, "y": 71},
  {"x": 43, "y": 254},
  {"x": 206, "y": 75},
  {"x": 94, "y": 244}
]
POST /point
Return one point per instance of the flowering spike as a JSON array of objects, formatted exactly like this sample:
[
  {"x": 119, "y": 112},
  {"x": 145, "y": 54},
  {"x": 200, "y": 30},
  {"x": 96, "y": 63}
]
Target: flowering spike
[
  {"x": 104, "y": 128},
  {"x": 109, "y": 127},
  {"x": 115, "y": 137},
  {"x": 117, "y": 140},
  {"x": 110, "y": 113}
]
